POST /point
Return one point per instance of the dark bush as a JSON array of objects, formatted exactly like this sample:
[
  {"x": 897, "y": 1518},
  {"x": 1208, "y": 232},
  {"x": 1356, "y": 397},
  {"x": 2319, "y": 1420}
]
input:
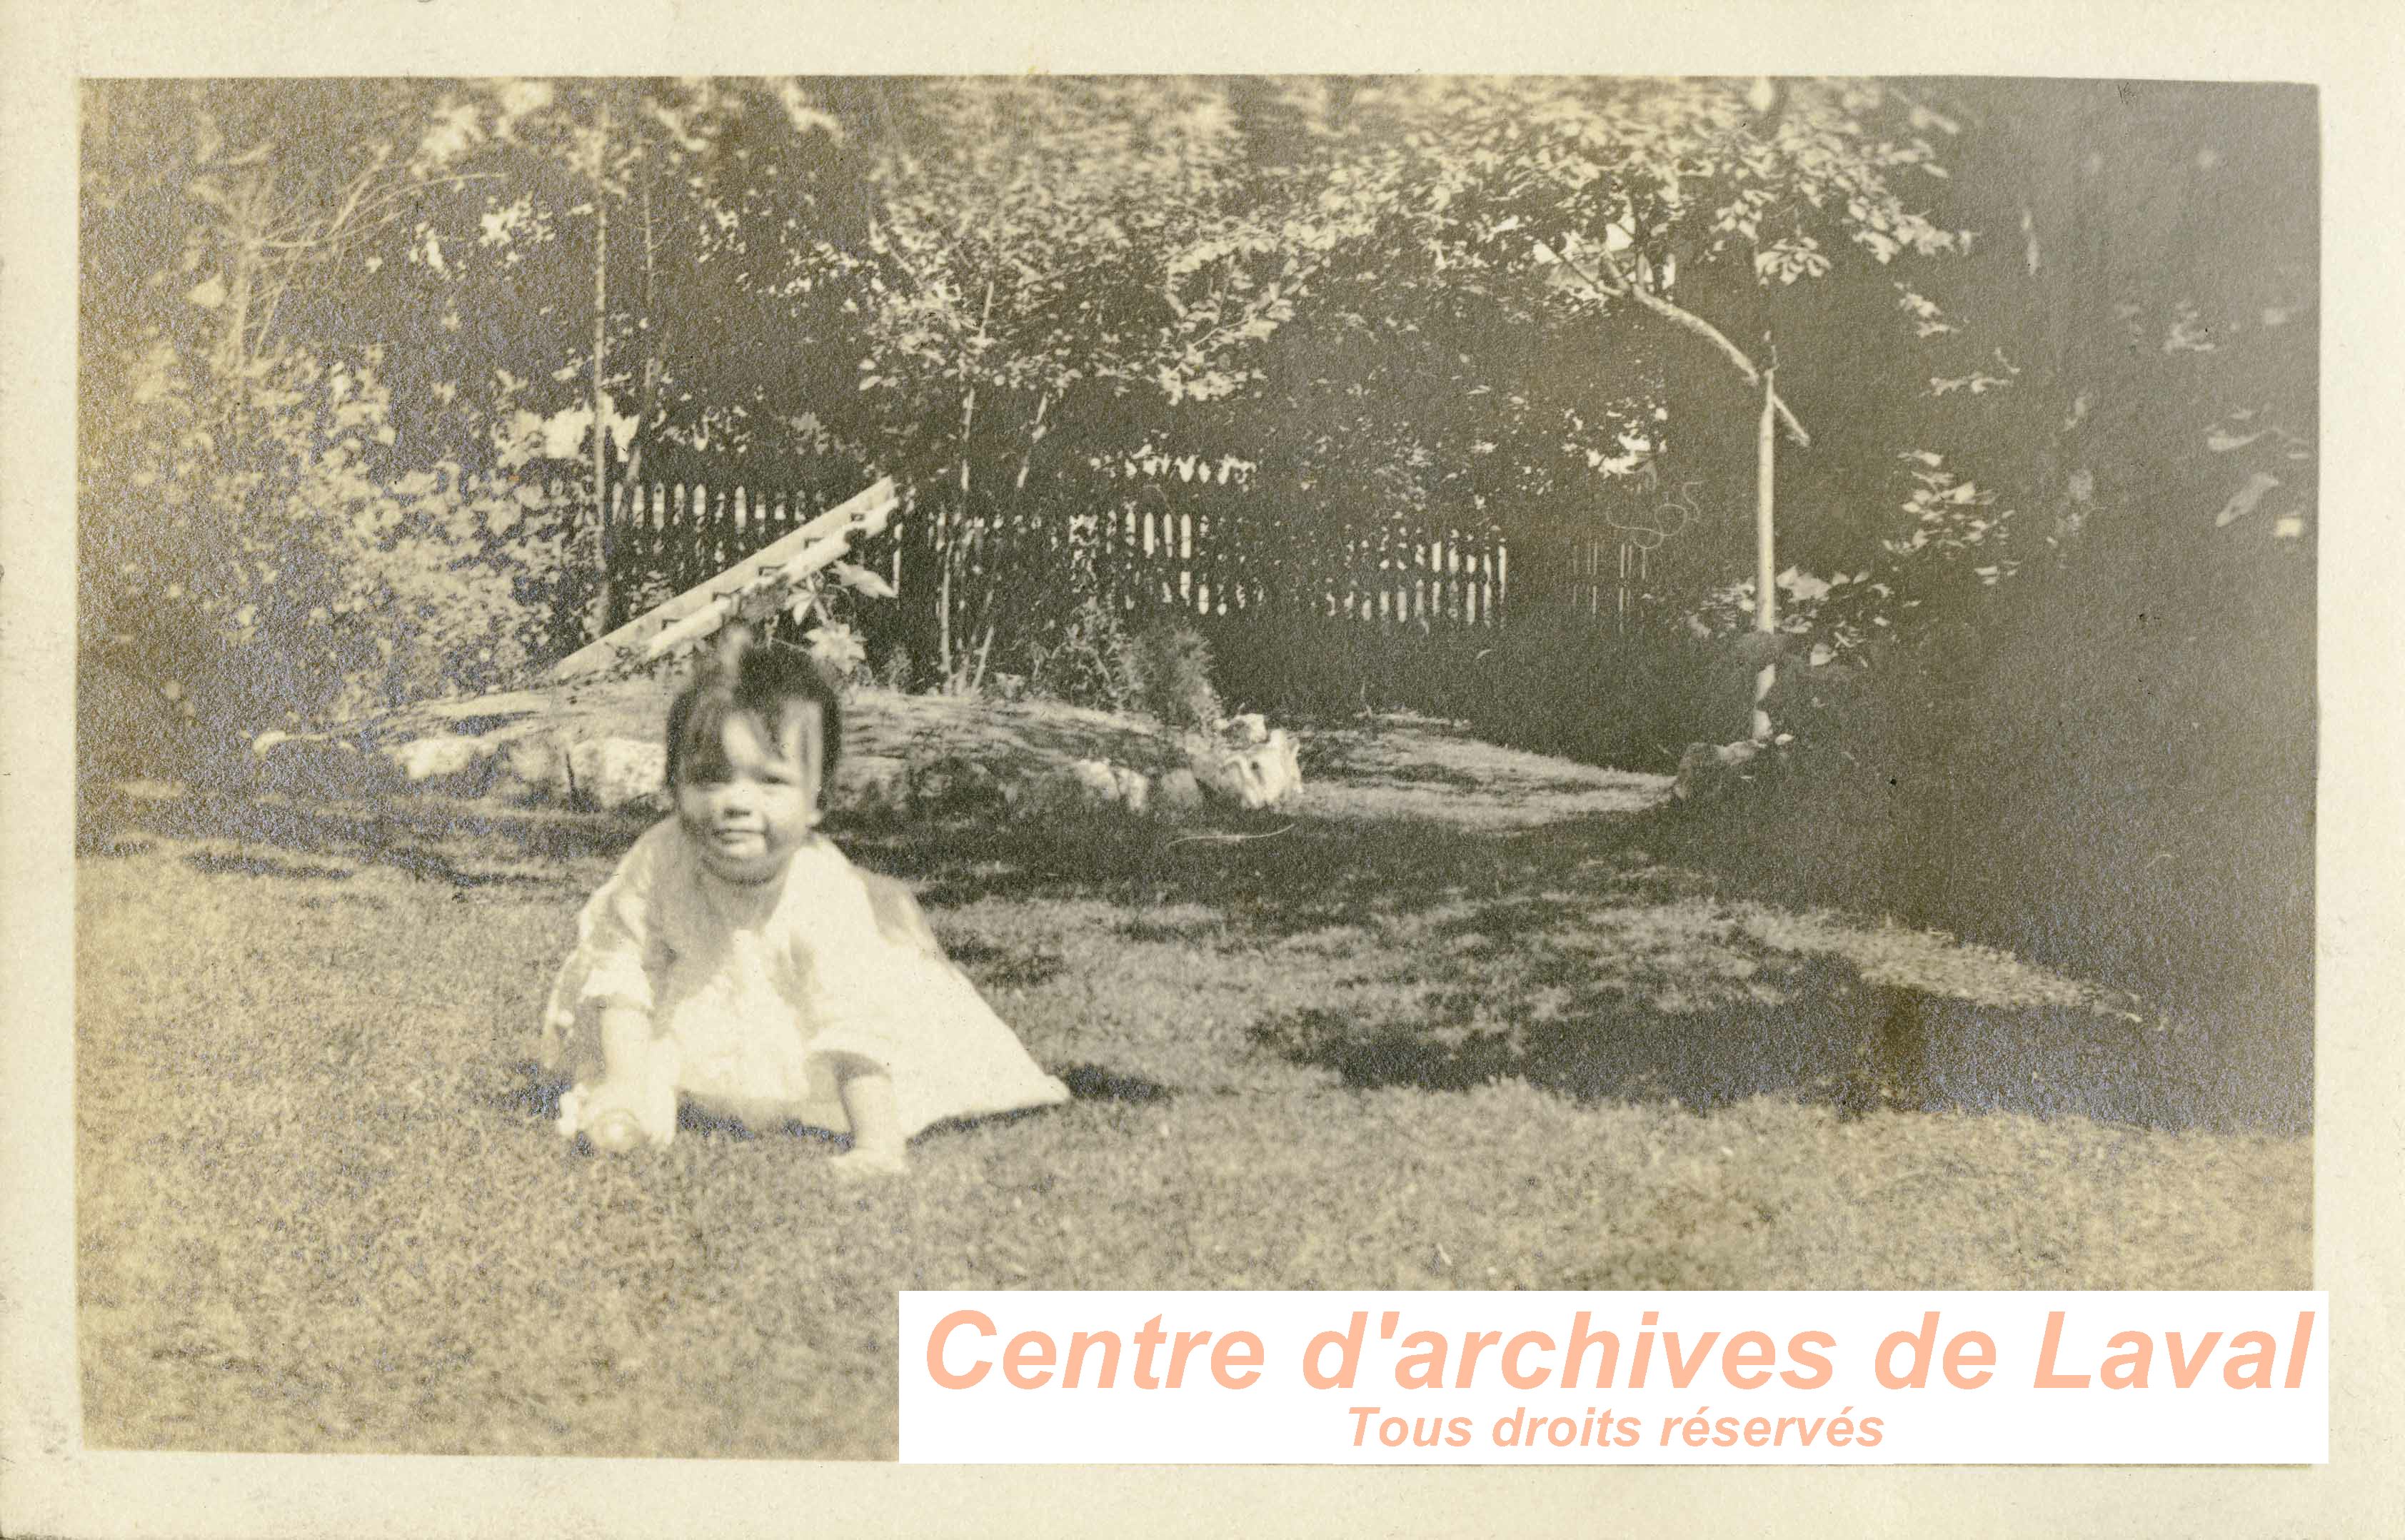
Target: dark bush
[
  {"x": 1564, "y": 683},
  {"x": 2109, "y": 770},
  {"x": 1088, "y": 659},
  {"x": 125, "y": 727},
  {"x": 1297, "y": 665},
  {"x": 1169, "y": 663},
  {"x": 1555, "y": 683}
]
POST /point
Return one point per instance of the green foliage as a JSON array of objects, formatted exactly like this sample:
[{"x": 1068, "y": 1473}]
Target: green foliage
[
  {"x": 824, "y": 603},
  {"x": 1035, "y": 234},
  {"x": 1292, "y": 664},
  {"x": 1702, "y": 165},
  {"x": 1171, "y": 664},
  {"x": 894, "y": 671},
  {"x": 259, "y": 542},
  {"x": 1952, "y": 545},
  {"x": 2059, "y": 772},
  {"x": 1954, "y": 521},
  {"x": 1041, "y": 254},
  {"x": 1098, "y": 657},
  {"x": 991, "y": 288},
  {"x": 1089, "y": 660},
  {"x": 1009, "y": 264},
  {"x": 1571, "y": 684},
  {"x": 2091, "y": 735}
]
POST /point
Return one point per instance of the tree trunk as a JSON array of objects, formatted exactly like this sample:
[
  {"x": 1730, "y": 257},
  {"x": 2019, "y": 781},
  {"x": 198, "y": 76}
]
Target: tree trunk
[
  {"x": 654, "y": 345},
  {"x": 1766, "y": 552},
  {"x": 605, "y": 608},
  {"x": 981, "y": 633},
  {"x": 949, "y": 538}
]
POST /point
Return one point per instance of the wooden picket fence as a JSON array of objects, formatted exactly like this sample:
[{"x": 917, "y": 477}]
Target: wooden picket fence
[
  {"x": 667, "y": 536},
  {"x": 1211, "y": 561},
  {"x": 1219, "y": 553}
]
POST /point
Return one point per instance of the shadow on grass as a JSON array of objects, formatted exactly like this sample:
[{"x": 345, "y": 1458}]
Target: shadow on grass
[
  {"x": 467, "y": 845},
  {"x": 2224, "y": 952},
  {"x": 996, "y": 966},
  {"x": 532, "y": 1094},
  {"x": 1093, "y": 1083},
  {"x": 1562, "y": 1004},
  {"x": 1833, "y": 1041},
  {"x": 1606, "y": 1043},
  {"x": 1271, "y": 873},
  {"x": 266, "y": 866},
  {"x": 1529, "y": 972}
]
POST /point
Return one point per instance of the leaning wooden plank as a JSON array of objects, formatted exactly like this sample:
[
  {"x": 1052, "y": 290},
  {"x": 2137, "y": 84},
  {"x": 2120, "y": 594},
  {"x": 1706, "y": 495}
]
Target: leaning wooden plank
[
  {"x": 711, "y": 616},
  {"x": 865, "y": 513}
]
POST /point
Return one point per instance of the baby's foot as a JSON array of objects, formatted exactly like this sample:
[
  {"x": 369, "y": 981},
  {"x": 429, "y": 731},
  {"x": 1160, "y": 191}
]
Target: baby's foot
[{"x": 858, "y": 1163}]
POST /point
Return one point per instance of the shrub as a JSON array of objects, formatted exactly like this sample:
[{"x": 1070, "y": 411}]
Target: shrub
[
  {"x": 1564, "y": 683},
  {"x": 1171, "y": 664},
  {"x": 1551, "y": 681},
  {"x": 259, "y": 545},
  {"x": 2059, "y": 775},
  {"x": 1097, "y": 658},
  {"x": 1089, "y": 660},
  {"x": 1300, "y": 665}
]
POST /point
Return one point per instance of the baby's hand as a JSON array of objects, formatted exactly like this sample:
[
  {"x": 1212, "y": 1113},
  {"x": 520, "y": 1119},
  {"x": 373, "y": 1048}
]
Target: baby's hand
[
  {"x": 615, "y": 1131},
  {"x": 629, "y": 1110}
]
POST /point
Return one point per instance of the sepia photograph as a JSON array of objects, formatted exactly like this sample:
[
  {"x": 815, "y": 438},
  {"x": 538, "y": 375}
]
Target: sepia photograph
[{"x": 702, "y": 700}]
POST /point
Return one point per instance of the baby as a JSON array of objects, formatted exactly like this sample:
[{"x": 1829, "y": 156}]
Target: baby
[{"x": 736, "y": 958}]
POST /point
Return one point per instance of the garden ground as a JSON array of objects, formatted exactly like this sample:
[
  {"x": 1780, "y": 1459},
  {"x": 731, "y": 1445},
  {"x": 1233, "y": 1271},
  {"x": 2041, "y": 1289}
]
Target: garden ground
[{"x": 1445, "y": 1022}]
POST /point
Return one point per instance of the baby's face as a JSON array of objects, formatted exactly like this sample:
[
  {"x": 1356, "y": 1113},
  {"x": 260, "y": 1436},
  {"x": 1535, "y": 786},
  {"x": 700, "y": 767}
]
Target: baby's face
[{"x": 749, "y": 818}]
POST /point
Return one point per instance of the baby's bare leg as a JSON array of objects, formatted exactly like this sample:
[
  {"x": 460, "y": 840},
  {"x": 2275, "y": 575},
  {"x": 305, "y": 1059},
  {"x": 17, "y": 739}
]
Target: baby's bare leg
[{"x": 876, "y": 1142}]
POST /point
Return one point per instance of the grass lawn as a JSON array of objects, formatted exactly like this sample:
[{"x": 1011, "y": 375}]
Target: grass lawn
[{"x": 1446, "y": 1023}]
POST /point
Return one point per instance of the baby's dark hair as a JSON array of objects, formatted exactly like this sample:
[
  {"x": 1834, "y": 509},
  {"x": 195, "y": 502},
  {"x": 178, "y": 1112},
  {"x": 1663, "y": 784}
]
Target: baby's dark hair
[{"x": 749, "y": 678}]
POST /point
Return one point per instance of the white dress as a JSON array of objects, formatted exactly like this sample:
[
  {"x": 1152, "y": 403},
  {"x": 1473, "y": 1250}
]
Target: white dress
[{"x": 764, "y": 990}]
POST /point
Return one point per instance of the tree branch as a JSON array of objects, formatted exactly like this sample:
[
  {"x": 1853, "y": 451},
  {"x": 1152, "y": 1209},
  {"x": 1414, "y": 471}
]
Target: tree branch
[
  {"x": 358, "y": 189},
  {"x": 1628, "y": 289},
  {"x": 1287, "y": 287},
  {"x": 276, "y": 290}
]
